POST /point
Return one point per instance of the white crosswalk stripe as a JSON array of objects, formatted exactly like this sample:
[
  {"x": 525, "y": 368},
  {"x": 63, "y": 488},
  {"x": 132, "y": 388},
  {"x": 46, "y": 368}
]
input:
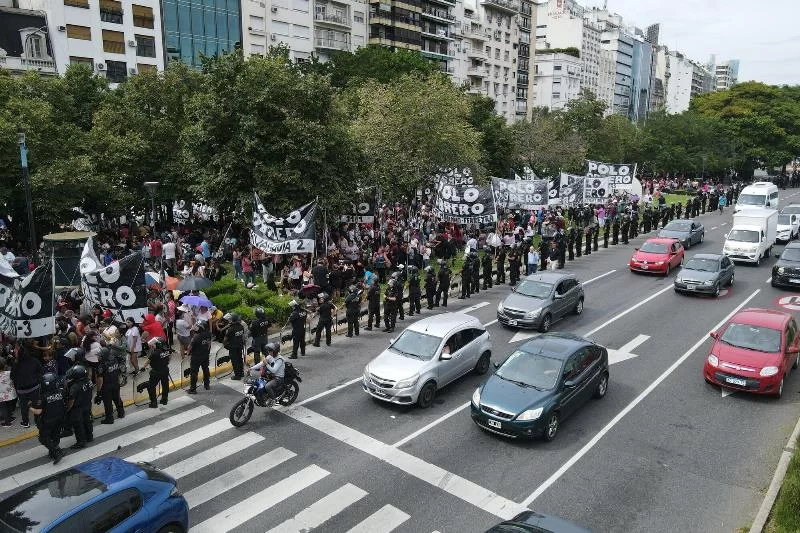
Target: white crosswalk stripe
[
  {"x": 179, "y": 443},
  {"x": 256, "y": 504},
  {"x": 384, "y": 520},
  {"x": 212, "y": 455},
  {"x": 321, "y": 511}
]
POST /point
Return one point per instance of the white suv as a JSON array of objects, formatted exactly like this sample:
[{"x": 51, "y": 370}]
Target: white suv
[{"x": 426, "y": 356}]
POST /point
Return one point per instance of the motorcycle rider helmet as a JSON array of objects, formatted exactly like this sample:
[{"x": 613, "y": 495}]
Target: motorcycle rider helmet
[
  {"x": 76, "y": 372},
  {"x": 49, "y": 382},
  {"x": 259, "y": 312}
]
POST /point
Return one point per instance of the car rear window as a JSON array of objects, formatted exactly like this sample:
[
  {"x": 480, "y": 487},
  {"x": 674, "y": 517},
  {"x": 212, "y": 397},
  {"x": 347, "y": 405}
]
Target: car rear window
[{"x": 37, "y": 506}]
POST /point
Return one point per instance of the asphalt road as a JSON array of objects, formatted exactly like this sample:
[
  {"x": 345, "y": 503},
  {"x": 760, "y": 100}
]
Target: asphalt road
[{"x": 663, "y": 451}]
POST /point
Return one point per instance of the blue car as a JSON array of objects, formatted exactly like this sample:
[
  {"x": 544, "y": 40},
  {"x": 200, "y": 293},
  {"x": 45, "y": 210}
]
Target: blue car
[{"x": 107, "y": 494}]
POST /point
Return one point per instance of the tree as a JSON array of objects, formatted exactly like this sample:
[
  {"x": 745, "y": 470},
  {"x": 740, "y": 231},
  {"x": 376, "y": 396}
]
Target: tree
[
  {"x": 616, "y": 141},
  {"x": 584, "y": 116},
  {"x": 411, "y": 128},
  {"x": 497, "y": 138},
  {"x": 373, "y": 62},
  {"x": 548, "y": 145}
]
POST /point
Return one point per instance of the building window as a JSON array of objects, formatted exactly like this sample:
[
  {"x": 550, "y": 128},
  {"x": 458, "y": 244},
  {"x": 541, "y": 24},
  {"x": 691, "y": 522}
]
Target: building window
[
  {"x": 145, "y": 46},
  {"x": 300, "y": 5},
  {"x": 35, "y": 47},
  {"x": 113, "y": 42},
  {"x": 557, "y": 67},
  {"x": 301, "y": 32},
  {"x": 142, "y": 16},
  {"x": 116, "y": 71},
  {"x": 280, "y": 28},
  {"x": 79, "y": 32},
  {"x": 88, "y": 61},
  {"x": 358, "y": 16},
  {"x": 142, "y": 68},
  {"x": 257, "y": 49},
  {"x": 77, "y": 3},
  {"x": 256, "y": 23},
  {"x": 111, "y": 11}
]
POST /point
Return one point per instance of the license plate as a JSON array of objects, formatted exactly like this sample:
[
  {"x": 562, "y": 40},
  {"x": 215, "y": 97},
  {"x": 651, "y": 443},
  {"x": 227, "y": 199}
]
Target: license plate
[
  {"x": 645, "y": 267},
  {"x": 736, "y": 381},
  {"x": 794, "y": 281},
  {"x": 494, "y": 423},
  {"x": 690, "y": 287},
  {"x": 380, "y": 393},
  {"x": 512, "y": 322}
]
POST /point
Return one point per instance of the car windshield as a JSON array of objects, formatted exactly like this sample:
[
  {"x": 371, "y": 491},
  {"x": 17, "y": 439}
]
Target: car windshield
[
  {"x": 791, "y": 254},
  {"x": 530, "y": 370},
  {"x": 791, "y": 210},
  {"x": 752, "y": 199},
  {"x": 751, "y": 337},
  {"x": 38, "y": 506},
  {"x": 704, "y": 265},
  {"x": 785, "y": 220},
  {"x": 536, "y": 289},
  {"x": 654, "y": 248},
  {"x": 743, "y": 235},
  {"x": 677, "y": 225},
  {"x": 416, "y": 344}
]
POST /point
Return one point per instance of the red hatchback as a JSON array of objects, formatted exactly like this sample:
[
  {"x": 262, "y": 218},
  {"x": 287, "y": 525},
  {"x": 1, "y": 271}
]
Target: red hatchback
[
  {"x": 754, "y": 351},
  {"x": 658, "y": 256}
]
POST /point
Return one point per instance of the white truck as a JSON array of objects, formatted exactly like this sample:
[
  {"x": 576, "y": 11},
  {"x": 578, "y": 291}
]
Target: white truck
[{"x": 751, "y": 238}]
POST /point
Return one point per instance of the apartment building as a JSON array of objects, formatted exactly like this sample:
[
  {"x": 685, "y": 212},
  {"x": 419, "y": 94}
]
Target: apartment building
[
  {"x": 558, "y": 79},
  {"x": 25, "y": 42},
  {"x": 116, "y": 38},
  {"x": 398, "y": 23},
  {"x": 726, "y": 74},
  {"x": 525, "y": 58}
]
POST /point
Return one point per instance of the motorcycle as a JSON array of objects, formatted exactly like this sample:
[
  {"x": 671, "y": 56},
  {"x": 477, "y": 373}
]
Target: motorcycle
[{"x": 285, "y": 395}]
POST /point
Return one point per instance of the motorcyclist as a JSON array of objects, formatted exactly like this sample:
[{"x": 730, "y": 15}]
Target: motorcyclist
[{"x": 273, "y": 365}]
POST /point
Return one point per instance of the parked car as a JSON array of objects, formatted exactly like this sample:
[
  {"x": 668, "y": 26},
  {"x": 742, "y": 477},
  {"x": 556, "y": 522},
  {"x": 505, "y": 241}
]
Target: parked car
[
  {"x": 531, "y": 522},
  {"x": 426, "y": 356},
  {"x": 705, "y": 273},
  {"x": 539, "y": 385},
  {"x": 109, "y": 495},
  {"x": 786, "y": 270},
  {"x": 688, "y": 232},
  {"x": 754, "y": 352},
  {"x": 657, "y": 255},
  {"x": 540, "y": 300}
]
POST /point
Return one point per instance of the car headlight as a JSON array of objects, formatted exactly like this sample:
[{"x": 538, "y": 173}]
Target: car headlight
[
  {"x": 659, "y": 262},
  {"x": 476, "y": 397},
  {"x": 768, "y": 371},
  {"x": 407, "y": 382},
  {"x": 531, "y": 414},
  {"x": 713, "y": 360},
  {"x": 780, "y": 270},
  {"x": 500, "y": 307},
  {"x": 533, "y": 314}
]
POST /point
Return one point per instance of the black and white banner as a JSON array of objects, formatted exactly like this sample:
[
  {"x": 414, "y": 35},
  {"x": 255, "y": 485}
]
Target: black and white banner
[
  {"x": 362, "y": 212},
  {"x": 183, "y": 210},
  {"x": 459, "y": 199},
  {"x": 119, "y": 286},
  {"x": 84, "y": 222},
  {"x": 619, "y": 177},
  {"x": 595, "y": 188},
  {"x": 570, "y": 189},
  {"x": 293, "y": 234},
  {"x": 554, "y": 190},
  {"x": 520, "y": 194},
  {"x": 26, "y": 302}
]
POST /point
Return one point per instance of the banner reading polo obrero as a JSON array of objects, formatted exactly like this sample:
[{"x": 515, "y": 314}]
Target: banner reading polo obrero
[
  {"x": 26, "y": 302},
  {"x": 293, "y": 234},
  {"x": 570, "y": 189},
  {"x": 118, "y": 286},
  {"x": 520, "y": 194},
  {"x": 611, "y": 178},
  {"x": 459, "y": 199}
]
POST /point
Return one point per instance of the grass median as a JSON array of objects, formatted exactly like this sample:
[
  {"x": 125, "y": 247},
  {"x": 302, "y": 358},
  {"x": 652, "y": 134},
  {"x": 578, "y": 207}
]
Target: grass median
[{"x": 785, "y": 516}]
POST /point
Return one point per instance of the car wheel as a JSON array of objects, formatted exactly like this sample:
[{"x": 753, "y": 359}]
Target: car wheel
[
  {"x": 579, "y": 307},
  {"x": 758, "y": 261},
  {"x": 547, "y": 321},
  {"x": 666, "y": 273},
  {"x": 779, "y": 393},
  {"x": 730, "y": 283},
  {"x": 482, "y": 366},
  {"x": 775, "y": 285},
  {"x": 796, "y": 361},
  {"x": 171, "y": 528},
  {"x": 602, "y": 386},
  {"x": 716, "y": 290},
  {"x": 426, "y": 395},
  {"x": 551, "y": 428}
]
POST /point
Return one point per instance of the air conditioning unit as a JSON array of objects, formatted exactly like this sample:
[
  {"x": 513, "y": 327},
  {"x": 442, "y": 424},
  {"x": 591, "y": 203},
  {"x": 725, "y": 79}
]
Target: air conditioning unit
[
  {"x": 131, "y": 71},
  {"x": 101, "y": 66},
  {"x": 273, "y": 38},
  {"x": 274, "y": 9},
  {"x": 132, "y": 43},
  {"x": 62, "y": 28},
  {"x": 262, "y": 4}
]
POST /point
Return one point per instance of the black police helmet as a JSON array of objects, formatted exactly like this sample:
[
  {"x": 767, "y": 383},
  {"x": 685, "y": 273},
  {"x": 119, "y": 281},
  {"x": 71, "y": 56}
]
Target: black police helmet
[
  {"x": 259, "y": 312},
  {"x": 235, "y": 317},
  {"x": 76, "y": 355},
  {"x": 49, "y": 382},
  {"x": 76, "y": 372},
  {"x": 105, "y": 354}
]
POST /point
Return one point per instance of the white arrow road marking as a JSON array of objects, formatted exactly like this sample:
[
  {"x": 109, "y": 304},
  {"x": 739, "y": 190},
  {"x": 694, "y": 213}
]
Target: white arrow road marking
[
  {"x": 626, "y": 351},
  {"x": 727, "y": 392},
  {"x": 474, "y": 307},
  {"x": 523, "y": 336}
]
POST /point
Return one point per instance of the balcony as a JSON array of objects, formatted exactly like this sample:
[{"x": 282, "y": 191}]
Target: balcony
[
  {"x": 442, "y": 15},
  {"x": 477, "y": 53},
  {"x": 507, "y": 6},
  {"x": 474, "y": 32},
  {"x": 475, "y": 89},
  {"x": 333, "y": 19},
  {"x": 444, "y": 2},
  {"x": 438, "y": 34},
  {"x": 19, "y": 64},
  {"x": 478, "y": 72},
  {"x": 325, "y": 43}
]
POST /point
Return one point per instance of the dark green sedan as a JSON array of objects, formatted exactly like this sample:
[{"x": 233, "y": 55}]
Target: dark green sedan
[{"x": 539, "y": 385}]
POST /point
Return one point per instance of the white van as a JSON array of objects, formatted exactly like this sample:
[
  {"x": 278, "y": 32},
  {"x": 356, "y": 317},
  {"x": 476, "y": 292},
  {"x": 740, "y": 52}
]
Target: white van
[{"x": 759, "y": 195}]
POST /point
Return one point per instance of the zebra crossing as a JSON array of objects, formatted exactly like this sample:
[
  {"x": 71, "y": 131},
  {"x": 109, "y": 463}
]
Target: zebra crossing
[{"x": 184, "y": 437}]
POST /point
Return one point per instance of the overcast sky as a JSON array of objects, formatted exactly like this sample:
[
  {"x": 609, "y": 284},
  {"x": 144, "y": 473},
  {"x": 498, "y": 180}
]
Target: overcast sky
[{"x": 764, "y": 36}]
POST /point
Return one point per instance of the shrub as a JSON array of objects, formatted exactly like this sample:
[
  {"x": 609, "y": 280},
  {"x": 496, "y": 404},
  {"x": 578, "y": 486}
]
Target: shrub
[
  {"x": 223, "y": 286},
  {"x": 226, "y": 302},
  {"x": 245, "y": 312}
]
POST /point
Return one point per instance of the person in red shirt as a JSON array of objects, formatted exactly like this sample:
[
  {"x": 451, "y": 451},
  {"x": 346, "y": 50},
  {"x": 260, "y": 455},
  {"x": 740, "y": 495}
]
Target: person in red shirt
[{"x": 153, "y": 327}]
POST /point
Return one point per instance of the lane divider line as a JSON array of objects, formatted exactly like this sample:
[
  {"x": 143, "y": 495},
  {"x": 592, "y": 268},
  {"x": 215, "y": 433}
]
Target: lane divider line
[
  {"x": 433, "y": 424},
  {"x": 588, "y": 281},
  {"x": 628, "y": 408},
  {"x": 629, "y": 310}
]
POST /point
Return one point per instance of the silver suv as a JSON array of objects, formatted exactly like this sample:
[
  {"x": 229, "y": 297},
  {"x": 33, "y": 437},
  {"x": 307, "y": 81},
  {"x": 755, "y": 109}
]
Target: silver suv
[{"x": 426, "y": 356}]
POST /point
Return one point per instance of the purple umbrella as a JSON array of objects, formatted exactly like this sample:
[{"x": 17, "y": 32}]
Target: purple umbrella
[{"x": 197, "y": 301}]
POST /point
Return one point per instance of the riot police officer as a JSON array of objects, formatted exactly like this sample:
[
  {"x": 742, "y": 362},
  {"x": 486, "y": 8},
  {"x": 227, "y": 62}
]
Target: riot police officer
[
  {"x": 79, "y": 405},
  {"x": 513, "y": 264},
  {"x": 399, "y": 282},
  {"x": 626, "y": 226},
  {"x": 443, "y": 289},
  {"x": 259, "y": 331},
  {"x": 108, "y": 371},
  {"x": 476, "y": 272},
  {"x": 298, "y": 321},
  {"x": 373, "y": 305},
  {"x": 606, "y": 231},
  {"x": 352, "y": 303},
  {"x": 414, "y": 292},
  {"x": 325, "y": 312},
  {"x": 578, "y": 241},
  {"x": 48, "y": 411},
  {"x": 390, "y": 307},
  {"x": 678, "y": 210},
  {"x": 430, "y": 286},
  {"x": 159, "y": 371},
  {"x": 561, "y": 244},
  {"x": 501, "y": 265},
  {"x": 646, "y": 220},
  {"x": 571, "y": 243},
  {"x": 466, "y": 277},
  {"x": 234, "y": 340},
  {"x": 615, "y": 229},
  {"x": 199, "y": 353},
  {"x": 486, "y": 264},
  {"x": 589, "y": 230}
]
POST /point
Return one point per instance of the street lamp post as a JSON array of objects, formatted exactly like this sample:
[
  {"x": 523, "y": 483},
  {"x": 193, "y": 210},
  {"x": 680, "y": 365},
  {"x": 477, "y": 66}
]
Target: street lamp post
[
  {"x": 152, "y": 187},
  {"x": 23, "y": 157}
]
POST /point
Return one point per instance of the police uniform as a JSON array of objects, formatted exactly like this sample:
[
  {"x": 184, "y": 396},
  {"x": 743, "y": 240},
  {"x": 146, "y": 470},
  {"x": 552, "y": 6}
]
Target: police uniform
[
  {"x": 109, "y": 369},
  {"x": 430, "y": 287},
  {"x": 571, "y": 243},
  {"x": 562, "y": 248},
  {"x": 398, "y": 304},
  {"x": 443, "y": 290},
  {"x": 298, "y": 322},
  {"x": 325, "y": 312},
  {"x": 200, "y": 351},
  {"x": 352, "y": 303},
  {"x": 159, "y": 373},
  {"x": 578, "y": 241},
  {"x": 501, "y": 265},
  {"x": 259, "y": 331},
  {"x": 390, "y": 307},
  {"x": 513, "y": 265},
  {"x": 626, "y": 223},
  {"x": 373, "y": 306},
  {"x": 234, "y": 338},
  {"x": 476, "y": 273},
  {"x": 678, "y": 210},
  {"x": 588, "y": 250},
  {"x": 79, "y": 392},
  {"x": 414, "y": 292},
  {"x": 615, "y": 229},
  {"x": 606, "y": 231},
  {"x": 466, "y": 278},
  {"x": 50, "y": 420},
  {"x": 487, "y": 269}
]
